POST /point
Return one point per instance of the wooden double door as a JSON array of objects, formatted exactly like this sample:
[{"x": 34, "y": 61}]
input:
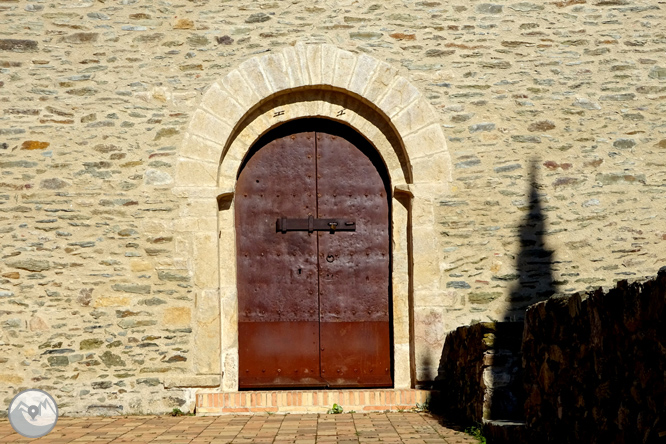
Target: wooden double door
[{"x": 313, "y": 265}]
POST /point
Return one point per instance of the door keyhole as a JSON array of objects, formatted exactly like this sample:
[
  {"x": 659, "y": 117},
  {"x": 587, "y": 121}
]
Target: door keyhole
[{"x": 299, "y": 271}]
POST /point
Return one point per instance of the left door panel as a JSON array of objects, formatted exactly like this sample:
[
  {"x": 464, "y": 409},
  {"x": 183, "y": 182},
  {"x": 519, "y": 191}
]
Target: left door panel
[{"x": 278, "y": 303}]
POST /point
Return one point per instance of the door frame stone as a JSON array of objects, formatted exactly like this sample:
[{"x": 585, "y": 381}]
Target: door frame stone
[{"x": 306, "y": 81}]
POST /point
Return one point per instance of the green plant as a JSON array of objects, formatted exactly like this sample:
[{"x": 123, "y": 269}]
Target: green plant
[
  {"x": 178, "y": 412},
  {"x": 476, "y": 432},
  {"x": 335, "y": 409},
  {"x": 425, "y": 407}
]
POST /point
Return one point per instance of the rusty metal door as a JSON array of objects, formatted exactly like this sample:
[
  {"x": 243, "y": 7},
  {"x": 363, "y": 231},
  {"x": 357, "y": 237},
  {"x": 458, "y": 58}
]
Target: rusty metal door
[{"x": 312, "y": 230}]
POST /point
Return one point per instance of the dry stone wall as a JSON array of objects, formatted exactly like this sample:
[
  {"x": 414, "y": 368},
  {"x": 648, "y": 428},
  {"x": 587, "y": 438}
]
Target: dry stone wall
[
  {"x": 552, "y": 112},
  {"x": 594, "y": 366},
  {"x": 480, "y": 373}
]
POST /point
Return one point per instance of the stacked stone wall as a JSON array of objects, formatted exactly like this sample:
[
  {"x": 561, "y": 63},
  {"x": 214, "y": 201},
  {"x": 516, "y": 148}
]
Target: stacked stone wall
[
  {"x": 553, "y": 117},
  {"x": 480, "y": 373},
  {"x": 594, "y": 366}
]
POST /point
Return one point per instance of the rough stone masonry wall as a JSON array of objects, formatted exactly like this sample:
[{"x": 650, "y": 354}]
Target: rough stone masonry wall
[
  {"x": 595, "y": 366},
  {"x": 96, "y": 295},
  {"x": 480, "y": 373}
]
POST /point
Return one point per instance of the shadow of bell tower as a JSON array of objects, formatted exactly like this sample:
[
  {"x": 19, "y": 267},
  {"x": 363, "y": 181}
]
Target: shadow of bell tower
[{"x": 534, "y": 262}]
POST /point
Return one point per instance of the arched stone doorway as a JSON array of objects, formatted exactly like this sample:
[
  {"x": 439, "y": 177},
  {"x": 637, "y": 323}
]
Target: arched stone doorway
[{"x": 264, "y": 92}]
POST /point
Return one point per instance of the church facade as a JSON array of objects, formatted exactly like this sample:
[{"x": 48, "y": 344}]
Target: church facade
[{"x": 199, "y": 195}]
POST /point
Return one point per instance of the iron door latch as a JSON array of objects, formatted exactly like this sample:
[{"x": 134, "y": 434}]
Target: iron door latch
[{"x": 311, "y": 224}]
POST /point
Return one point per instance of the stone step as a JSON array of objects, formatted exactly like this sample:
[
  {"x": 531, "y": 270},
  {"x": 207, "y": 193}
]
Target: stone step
[
  {"x": 498, "y": 431},
  {"x": 210, "y": 403}
]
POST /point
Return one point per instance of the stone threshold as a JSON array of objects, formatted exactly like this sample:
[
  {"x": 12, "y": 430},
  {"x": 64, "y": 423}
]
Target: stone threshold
[{"x": 210, "y": 403}]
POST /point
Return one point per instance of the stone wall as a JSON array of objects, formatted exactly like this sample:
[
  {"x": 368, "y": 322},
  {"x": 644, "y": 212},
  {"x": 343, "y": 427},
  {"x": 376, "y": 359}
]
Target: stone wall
[
  {"x": 552, "y": 113},
  {"x": 595, "y": 365},
  {"x": 480, "y": 373}
]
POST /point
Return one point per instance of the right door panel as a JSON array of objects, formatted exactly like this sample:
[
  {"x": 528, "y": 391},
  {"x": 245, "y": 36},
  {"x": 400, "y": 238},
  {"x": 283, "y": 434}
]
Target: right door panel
[{"x": 353, "y": 268}]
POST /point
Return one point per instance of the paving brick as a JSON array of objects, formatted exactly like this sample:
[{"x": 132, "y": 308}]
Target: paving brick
[{"x": 393, "y": 427}]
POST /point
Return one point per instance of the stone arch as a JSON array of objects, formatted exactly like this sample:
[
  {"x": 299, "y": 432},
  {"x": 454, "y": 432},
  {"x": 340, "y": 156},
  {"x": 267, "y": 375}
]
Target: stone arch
[{"x": 262, "y": 93}]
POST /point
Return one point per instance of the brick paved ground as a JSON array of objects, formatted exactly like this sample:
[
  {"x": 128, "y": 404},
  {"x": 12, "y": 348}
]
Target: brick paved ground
[{"x": 356, "y": 428}]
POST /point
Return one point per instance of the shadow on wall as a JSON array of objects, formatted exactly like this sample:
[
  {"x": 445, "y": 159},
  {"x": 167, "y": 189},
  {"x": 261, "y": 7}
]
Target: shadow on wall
[
  {"x": 480, "y": 371},
  {"x": 534, "y": 261}
]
